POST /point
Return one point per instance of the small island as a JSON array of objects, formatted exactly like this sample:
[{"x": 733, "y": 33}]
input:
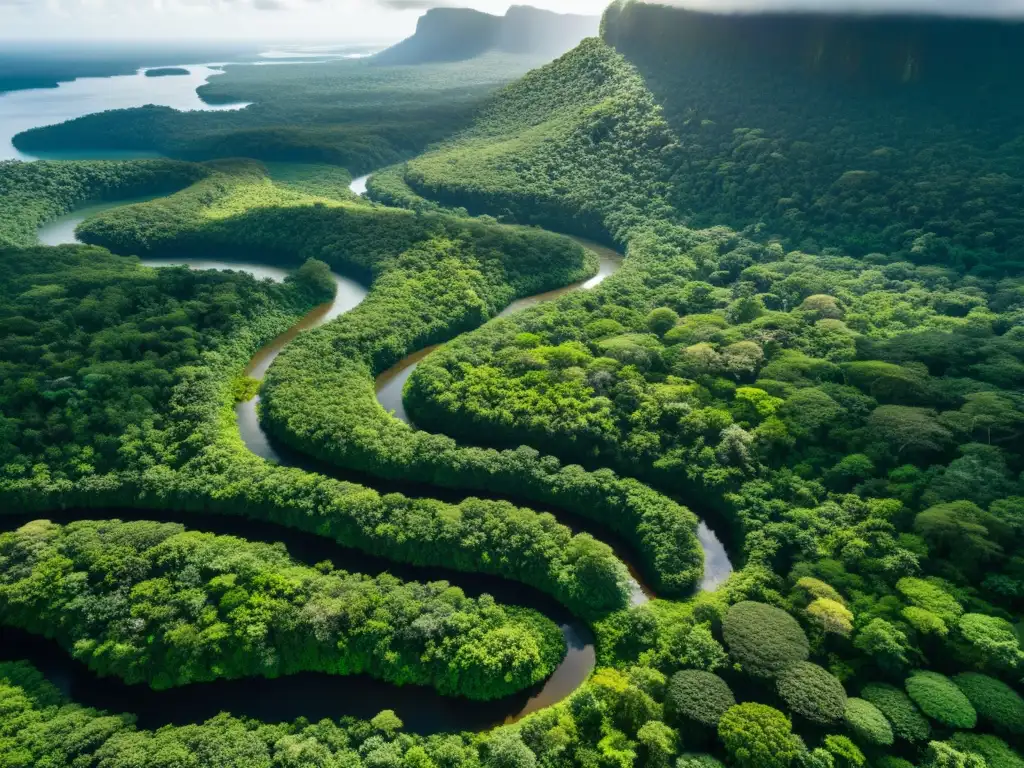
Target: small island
[{"x": 167, "y": 72}]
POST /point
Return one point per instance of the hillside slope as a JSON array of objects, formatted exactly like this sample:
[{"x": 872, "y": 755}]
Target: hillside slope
[
  {"x": 790, "y": 130},
  {"x": 821, "y": 306},
  {"x": 574, "y": 146}
]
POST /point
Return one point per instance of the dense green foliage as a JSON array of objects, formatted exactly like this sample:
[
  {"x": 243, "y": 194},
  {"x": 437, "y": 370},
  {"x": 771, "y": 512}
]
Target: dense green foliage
[
  {"x": 433, "y": 276},
  {"x": 940, "y": 699},
  {"x": 811, "y": 692},
  {"x": 696, "y": 696},
  {"x": 91, "y": 346},
  {"x": 200, "y": 442},
  {"x": 347, "y": 112},
  {"x": 758, "y": 736},
  {"x": 994, "y": 701},
  {"x": 181, "y": 607},
  {"x": 995, "y": 751},
  {"x": 867, "y": 722},
  {"x": 814, "y": 341},
  {"x": 42, "y": 728},
  {"x": 843, "y": 343},
  {"x": 325, "y": 182},
  {"x": 32, "y": 193},
  {"x": 796, "y": 149},
  {"x": 826, "y": 387},
  {"x": 580, "y": 167},
  {"x": 907, "y": 721},
  {"x": 763, "y": 639}
]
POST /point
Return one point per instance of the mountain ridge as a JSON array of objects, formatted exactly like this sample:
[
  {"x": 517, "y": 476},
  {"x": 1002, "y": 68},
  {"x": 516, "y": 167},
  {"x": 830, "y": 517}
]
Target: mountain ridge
[
  {"x": 894, "y": 48},
  {"x": 458, "y": 34}
]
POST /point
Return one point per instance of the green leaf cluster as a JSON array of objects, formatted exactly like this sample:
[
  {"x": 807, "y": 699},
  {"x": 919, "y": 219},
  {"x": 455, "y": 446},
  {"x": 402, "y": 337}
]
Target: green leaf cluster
[{"x": 183, "y": 607}]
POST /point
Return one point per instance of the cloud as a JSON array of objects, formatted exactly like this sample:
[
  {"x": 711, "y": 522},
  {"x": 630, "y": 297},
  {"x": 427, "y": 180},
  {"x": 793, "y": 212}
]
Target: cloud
[
  {"x": 991, "y": 8},
  {"x": 411, "y": 5}
]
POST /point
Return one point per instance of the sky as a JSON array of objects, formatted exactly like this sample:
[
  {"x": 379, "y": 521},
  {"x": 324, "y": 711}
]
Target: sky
[
  {"x": 345, "y": 20},
  {"x": 264, "y": 20}
]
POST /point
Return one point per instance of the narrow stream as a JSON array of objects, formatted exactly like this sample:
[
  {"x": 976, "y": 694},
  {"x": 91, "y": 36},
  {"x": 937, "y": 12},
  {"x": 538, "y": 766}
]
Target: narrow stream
[
  {"x": 717, "y": 565},
  {"x": 390, "y": 385}
]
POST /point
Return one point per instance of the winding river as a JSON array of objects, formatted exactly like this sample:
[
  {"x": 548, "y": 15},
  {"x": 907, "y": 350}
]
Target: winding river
[
  {"x": 423, "y": 707},
  {"x": 61, "y": 230},
  {"x": 312, "y": 695},
  {"x": 390, "y": 385},
  {"x": 317, "y": 695}
]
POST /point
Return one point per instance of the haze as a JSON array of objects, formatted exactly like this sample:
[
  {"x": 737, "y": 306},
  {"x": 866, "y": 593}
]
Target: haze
[
  {"x": 334, "y": 20},
  {"x": 353, "y": 20}
]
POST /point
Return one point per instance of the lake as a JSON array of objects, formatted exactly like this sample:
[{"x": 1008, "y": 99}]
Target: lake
[{"x": 21, "y": 110}]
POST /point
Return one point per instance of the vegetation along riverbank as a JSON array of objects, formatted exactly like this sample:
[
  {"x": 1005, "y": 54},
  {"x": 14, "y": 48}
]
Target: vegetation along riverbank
[{"x": 810, "y": 348}]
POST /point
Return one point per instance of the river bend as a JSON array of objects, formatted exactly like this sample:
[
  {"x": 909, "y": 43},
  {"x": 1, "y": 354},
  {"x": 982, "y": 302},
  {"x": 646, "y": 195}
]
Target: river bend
[{"x": 315, "y": 695}]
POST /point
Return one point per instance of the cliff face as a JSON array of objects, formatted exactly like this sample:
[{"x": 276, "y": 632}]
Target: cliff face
[
  {"x": 458, "y": 34},
  {"x": 445, "y": 34},
  {"x": 531, "y": 30},
  {"x": 853, "y": 48}
]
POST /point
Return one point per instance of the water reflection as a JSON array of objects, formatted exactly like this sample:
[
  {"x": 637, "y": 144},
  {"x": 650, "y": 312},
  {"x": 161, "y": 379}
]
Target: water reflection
[
  {"x": 609, "y": 263},
  {"x": 717, "y": 566},
  {"x": 259, "y": 271},
  {"x": 358, "y": 185},
  {"x": 255, "y": 439},
  {"x": 581, "y": 659},
  {"x": 312, "y": 695},
  {"x": 390, "y": 384}
]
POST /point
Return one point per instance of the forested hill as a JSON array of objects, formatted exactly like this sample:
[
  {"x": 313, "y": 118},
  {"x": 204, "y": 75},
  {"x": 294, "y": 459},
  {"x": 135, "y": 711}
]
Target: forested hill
[
  {"x": 788, "y": 131},
  {"x": 817, "y": 129},
  {"x": 456, "y": 34}
]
